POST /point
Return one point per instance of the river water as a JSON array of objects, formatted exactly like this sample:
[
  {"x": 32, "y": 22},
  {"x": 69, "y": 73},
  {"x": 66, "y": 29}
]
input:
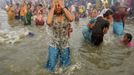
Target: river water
[{"x": 28, "y": 56}]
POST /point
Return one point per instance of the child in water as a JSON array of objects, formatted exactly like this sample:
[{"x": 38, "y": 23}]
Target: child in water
[{"x": 127, "y": 40}]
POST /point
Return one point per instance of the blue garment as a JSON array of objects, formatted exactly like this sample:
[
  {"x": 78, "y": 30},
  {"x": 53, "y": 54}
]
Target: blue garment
[
  {"x": 86, "y": 33},
  {"x": 54, "y": 55},
  {"x": 118, "y": 28}
]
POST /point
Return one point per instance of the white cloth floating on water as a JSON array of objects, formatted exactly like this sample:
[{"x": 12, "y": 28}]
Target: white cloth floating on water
[{"x": 12, "y": 37}]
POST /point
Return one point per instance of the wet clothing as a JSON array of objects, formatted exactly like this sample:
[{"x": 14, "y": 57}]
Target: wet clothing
[
  {"x": 23, "y": 11},
  {"x": 27, "y": 20},
  {"x": 118, "y": 16},
  {"x": 54, "y": 55},
  {"x": 23, "y": 14},
  {"x": 86, "y": 31},
  {"x": 10, "y": 13},
  {"x": 118, "y": 28},
  {"x": 118, "y": 25},
  {"x": 59, "y": 45},
  {"x": 130, "y": 44},
  {"x": 97, "y": 31}
]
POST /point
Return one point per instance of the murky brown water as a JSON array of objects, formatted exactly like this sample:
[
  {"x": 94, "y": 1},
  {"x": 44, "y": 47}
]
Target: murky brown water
[{"x": 28, "y": 56}]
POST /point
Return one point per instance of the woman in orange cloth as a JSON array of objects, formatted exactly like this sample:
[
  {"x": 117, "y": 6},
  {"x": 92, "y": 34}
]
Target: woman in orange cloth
[
  {"x": 23, "y": 11},
  {"x": 10, "y": 13}
]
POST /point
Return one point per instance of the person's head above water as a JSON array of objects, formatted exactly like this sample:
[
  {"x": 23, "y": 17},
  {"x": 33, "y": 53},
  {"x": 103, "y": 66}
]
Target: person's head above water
[
  {"x": 108, "y": 13},
  {"x": 94, "y": 13},
  {"x": 127, "y": 38}
]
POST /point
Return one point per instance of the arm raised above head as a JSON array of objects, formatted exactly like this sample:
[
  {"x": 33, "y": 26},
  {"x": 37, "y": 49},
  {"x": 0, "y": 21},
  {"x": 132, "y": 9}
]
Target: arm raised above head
[
  {"x": 68, "y": 15},
  {"x": 66, "y": 11},
  {"x": 51, "y": 14}
]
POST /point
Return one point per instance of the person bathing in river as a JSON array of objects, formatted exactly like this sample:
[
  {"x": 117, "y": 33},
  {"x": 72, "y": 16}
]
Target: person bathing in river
[
  {"x": 99, "y": 30},
  {"x": 127, "y": 40},
  {"x": 87, "y": 30},
  {"x": 108, "y": 15},
  {"x": 23, "y": 12},
  {"x": 28, "y": 16},
  {"x": 119, "y": 20},
  {"x": 39, "y": 18},
  {"x": 10, "y": 13},
  {"x": 58, "y": 20}
]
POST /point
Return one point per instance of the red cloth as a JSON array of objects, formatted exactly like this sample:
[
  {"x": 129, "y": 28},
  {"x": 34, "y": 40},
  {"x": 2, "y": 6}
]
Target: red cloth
[
  {"x": 39, "y": 22},
  {"x": 70, "y": 30},
  {"x": 119, "y": 16}
]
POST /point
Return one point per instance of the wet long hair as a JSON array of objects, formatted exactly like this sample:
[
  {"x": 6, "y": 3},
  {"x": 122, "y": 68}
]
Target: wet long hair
[
  {"x": 129, "y": 36},
  {"x": 97, "y": 32},
  {"x": 108, "y": 13}
]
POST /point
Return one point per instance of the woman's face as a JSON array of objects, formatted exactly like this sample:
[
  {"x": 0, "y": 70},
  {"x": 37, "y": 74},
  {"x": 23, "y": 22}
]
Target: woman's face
[
  {"x": 94, "y": 13},
  {"x": 58, "y": 9}
]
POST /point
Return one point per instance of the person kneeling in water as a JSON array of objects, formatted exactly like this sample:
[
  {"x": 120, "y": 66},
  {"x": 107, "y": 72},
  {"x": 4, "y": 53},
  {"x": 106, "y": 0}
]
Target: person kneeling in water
[{"x": 100, "y": 28}]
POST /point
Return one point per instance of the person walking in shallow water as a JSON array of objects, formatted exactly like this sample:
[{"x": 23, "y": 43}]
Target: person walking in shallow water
[{"x": 58, "y": 20}]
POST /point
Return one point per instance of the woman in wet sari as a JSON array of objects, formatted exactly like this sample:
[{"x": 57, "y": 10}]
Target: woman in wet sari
[
  {"x": 28, "y": 19},
  {"x": 119, "y": 21},
  {"x": 58, "y": 20},
  {"x": 87, "y": 29},
  {"x": 10, "y": 12},
  {"x": 23, "y": 12}
]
